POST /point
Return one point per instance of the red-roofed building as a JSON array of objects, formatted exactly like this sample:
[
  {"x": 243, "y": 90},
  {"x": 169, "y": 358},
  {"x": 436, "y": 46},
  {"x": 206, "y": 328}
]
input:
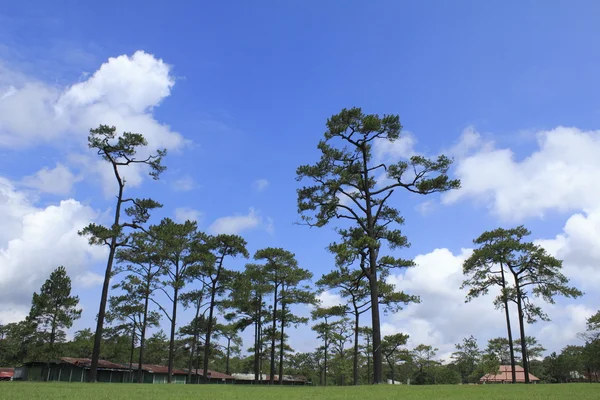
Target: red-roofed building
[
  {"x": 213, "y": 376},
  {"x": 6, "y": 374},
  {"x": 70, "y": 369},
  {"x": 504, "y": 375}
]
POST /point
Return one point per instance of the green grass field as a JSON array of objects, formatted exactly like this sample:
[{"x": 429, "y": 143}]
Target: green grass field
[{"x": 52, "y": 391}]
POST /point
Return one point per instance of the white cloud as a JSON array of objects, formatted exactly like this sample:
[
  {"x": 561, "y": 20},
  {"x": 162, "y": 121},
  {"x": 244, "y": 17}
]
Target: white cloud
[
  {"x": 329, "y": 299},
  {"x": 401, "y": 148},
  {"x": 556, "y": 176},
  {"x": 183, "y": 214},
  {"x": 58, "y": 180},
  {"x": 88, "y": 279},
  {"x": 34, "y": 241},
  {"x": 260, "y": 184},
  {"x": 184, "y": 184},
  {"x": 235, "y": 224},
  {"x": 122, "y": 92}
]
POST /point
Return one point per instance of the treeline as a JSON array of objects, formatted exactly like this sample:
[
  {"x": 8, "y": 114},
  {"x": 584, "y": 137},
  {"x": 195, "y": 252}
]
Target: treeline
[{"x": 158, "y": 268}]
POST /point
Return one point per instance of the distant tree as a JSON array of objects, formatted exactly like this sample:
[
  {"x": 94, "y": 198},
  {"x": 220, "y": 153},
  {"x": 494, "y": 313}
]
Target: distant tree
[
  {"x": 280, "y": 270},
  {"x": 500, "y": 348},
  {"x": 340, "y": 336},
  {"x": 367, "y": 334},
  {"x": 143, "y": 268},
  {"x": 120, "y": 152},
  {"x": 157, "y": 349},
  {"x": 218, "y": 278},
  {"x": 534, "y": 272},
  {"x": 344, "y": 187},
  {"x": 391, "y": 350},
  {"x": 54, "y": 309},
  {"x": 82, "y": 344},
  {"x": 466, "y": 357},
  {"x": 179, "y": 247},
  {"x": 325, "y": 330},
  {"x": 533, "y": 348},
  {"x": 423, "y": 357},
  {"x": 194, "y": 299},
  {"x": 248, "y": 307},
  {"x": 230, "y": 333}
]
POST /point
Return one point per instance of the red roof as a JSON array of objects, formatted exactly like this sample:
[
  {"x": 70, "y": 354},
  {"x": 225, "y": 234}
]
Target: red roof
[
  {"x": 160, "y": 369},
  {"x": 212, "y": 374},
  {"x": 7, "y": 373},
  {"x": 86, "y": 363},
  {"x": 505, "y": 375}
]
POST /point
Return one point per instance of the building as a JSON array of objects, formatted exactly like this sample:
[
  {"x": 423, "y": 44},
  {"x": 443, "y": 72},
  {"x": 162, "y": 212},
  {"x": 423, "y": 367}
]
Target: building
[
  {"x": 504, "y": 375},
  {"x": 292, "y": 380},
  {"x": 160, "y": 374},
  {"x": 69, "y": 369},
  {"x": 6, "y": 374},
  {"x": 213, "y": 377}
]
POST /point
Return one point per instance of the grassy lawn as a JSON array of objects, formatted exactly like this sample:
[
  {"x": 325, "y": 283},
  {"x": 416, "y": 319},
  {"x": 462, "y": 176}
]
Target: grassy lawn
[{"x": 104, "y": 391}]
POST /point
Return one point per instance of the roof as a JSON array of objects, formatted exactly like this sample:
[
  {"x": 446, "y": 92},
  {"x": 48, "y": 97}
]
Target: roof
[
  {"x": 86, "y": 363},
  {"x": 505, "y": 375},
  {"x": 287, "y": 378},
  {"x": 161, "y": 369},
  {"x": 212, "y": 374},
  {"x": 7, "y": 372}
]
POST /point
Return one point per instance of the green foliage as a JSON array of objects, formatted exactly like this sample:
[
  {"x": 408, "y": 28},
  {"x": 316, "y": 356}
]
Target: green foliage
[
  {"x": 343, "y": 186},
  {"x": 466, "y": 358},
  {"x": 54, "y": 309}
]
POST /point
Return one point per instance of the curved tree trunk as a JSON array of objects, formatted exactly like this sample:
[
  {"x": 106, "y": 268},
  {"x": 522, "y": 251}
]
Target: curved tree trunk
[
  {"x": 377, "y": 359},
  {"x": 143, "y": 339},
  {"x": 522, "y": 331},
  {"x": 272, "y": 368},
  {"x": 172, "y": 340},
  {"x": 209, "y": 331}
]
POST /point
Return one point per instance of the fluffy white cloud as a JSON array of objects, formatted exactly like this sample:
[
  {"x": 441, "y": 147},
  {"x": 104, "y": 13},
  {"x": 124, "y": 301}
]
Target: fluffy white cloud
[
  {"x": 235, "y": 224},
  {"x": 122, "y": 92},
  {"x": 34, "y": 241},
  {"x": 260, "y": 184},
  {"x": 401, "y": 148},
  {"x": 556, "y": 176},
  {"x": 329, "y": 299},
  {"x": 183, "y": 214},
  {"x": 58, "y": 180}
]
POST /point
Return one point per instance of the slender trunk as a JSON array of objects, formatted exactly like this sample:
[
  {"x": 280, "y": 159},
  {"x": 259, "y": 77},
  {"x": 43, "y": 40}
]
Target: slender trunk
[
  {"x": 257, "y": 341},
  {"x": 392, "y": 369},
  {"x": 209, "y": 331},
  {"x": 194, "y": 340},
  {"x": 509, "y": 329},
  {"x": 197, "y": 362},
  {"x": 326, "y": 350},
  {"x": 228, "y": 353},
  {"x": 143, "y": 338},
  {"x": 368, "y": 361},
  {"x": 173, "y": 326},
  {"x": 281, "y": 342},
  {"x": 272, "y": 367},
  {"x": 522, "y": 331},
  {"x": 377, "y": 359},
  {"x": 93, "y": 373},
  {"x": 132, "y": 350},
  {"x": 355, "y": 360}
]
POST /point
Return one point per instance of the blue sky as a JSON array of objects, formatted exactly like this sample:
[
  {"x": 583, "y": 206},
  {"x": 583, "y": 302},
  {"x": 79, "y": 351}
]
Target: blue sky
[{"x": 242, "y": 94}]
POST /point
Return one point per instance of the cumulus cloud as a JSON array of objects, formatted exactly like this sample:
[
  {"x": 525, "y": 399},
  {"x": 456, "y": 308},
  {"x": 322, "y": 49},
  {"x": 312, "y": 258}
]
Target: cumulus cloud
[
  {"x": 329, "y": 299},
  {"x": 402, "y": 148},
  {"x": 58, "y": 180},
  {"x": 35, "y": 241},
  {"x": 183, "y": 214},
  {"x": 556, "y": 176},
  {"x": 123, "y": 92},
  {"x": 236, "y": 224},
  {"x": 260, "y": 184}
]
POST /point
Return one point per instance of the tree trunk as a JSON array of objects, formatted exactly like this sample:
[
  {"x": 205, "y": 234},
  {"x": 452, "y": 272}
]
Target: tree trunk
[
  {"x": 132, "y": 350},
  {"x": 256, "y": 346},
  {"x": 194, "y": 341},
  {"x": 522, "y": 331},
  {"x": 377, "y": 359},
  {"x": 355, "y": 360},
  {"x": 272, "y": 367},
  {"x": 368, "y": 362},
  {"x": 143, "y": 338},
  {"x": 93, "y": 374},
  {"x": 509, "y": 329},
  {"x": 173, "y": 326},
  {"x": 326, "y": 350},
  {"x": 228, "y": 352},
  {"x": 392, "y": 368},
  {"x": 209, "y": 331},
  {"x": 281, "y": 340}
]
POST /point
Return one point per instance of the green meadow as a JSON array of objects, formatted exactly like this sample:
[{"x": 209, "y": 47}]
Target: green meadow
[{"x": 103, "y": 391}]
